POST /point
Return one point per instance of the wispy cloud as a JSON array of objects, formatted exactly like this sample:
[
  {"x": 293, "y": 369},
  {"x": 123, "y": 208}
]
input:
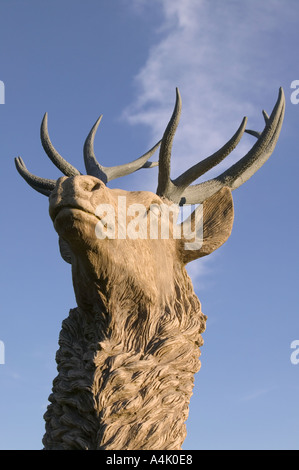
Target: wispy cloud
[
  {"x": 257, "y": 394},
  {"x": 221, "y": 55}
]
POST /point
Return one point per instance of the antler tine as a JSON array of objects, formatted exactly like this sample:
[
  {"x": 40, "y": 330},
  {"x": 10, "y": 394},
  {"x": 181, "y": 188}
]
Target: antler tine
[
  {"x": 205, "y": 165},
  {"x": 242, "y": 170},
  {"x": 256, "y": 133},
  {"x": 91, "y": 164},
  {"x": 106, "y": 174},
  {"x": 65, "y": 167},
  {"x": 42, "y": 185},
  {"x": 266, "y": 116},
  {"x": 165, "y": 185},
  {"x": 114, "y": 172}
]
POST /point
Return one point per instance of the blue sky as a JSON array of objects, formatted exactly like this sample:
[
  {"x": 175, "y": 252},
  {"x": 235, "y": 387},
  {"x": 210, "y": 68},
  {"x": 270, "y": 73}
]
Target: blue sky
[{"x": 124, "y": 58}]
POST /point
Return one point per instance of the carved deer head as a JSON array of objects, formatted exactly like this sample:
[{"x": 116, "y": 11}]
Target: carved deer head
[
  {"x": 146, "y": 320},
  {"x": 79, "y": 195}
]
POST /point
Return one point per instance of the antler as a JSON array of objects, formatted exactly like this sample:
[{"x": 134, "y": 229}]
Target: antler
[
  {"x": 65, "y": 167},
  {"x": 93, "y": 168},
  {"x": 179, "y": 191},
  {"x": 110, "y": 173},
  {"x": 42, "y": 185}
]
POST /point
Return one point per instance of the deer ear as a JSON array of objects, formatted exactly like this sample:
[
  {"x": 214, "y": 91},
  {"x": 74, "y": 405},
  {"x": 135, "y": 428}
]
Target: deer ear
[
  {"x": 209, "y": 226},
  {"x": 65, "y": 250}
]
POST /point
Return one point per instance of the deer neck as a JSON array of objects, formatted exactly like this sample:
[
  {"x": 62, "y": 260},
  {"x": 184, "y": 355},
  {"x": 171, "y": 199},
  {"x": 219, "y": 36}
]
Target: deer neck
[{"x": 126, "y": 370}]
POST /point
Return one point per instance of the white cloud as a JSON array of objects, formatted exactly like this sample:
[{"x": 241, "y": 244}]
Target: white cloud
[
  {"x": 221, "y": 55},
  {"x": 216, "y": 54},
  {"x": 257, "y": 394}
]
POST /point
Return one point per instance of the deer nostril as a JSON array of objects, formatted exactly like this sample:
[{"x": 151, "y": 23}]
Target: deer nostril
[
  {"x": 89, "y": 184},
  {"x": 96, "y": 186}
]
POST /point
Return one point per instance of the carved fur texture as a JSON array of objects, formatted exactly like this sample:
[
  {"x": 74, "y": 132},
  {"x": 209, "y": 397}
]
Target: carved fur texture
[{"x": 127, "y": 387}]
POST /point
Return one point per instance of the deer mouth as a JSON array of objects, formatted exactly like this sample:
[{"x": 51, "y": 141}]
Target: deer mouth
[{"x": 69, "y": 208}]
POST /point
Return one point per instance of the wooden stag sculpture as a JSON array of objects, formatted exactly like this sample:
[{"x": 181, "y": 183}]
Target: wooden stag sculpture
[{"x": 129, "y": 351}]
